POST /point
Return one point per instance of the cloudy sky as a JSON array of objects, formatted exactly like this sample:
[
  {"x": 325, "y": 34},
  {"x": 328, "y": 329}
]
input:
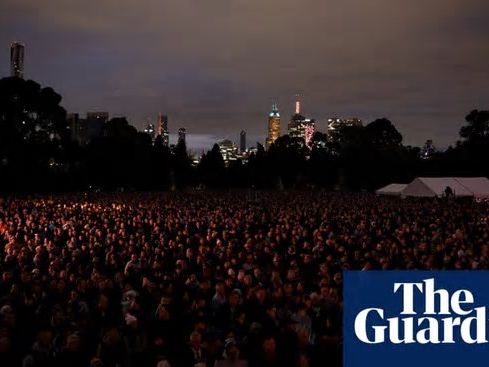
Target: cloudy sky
[{"x": 216, "y": 66}]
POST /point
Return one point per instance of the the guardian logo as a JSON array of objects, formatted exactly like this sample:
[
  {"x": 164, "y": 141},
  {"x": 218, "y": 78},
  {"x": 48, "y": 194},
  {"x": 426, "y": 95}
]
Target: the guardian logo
[
  {"x": 416, "y": 318},
  {"x": 459, "y": 316}
]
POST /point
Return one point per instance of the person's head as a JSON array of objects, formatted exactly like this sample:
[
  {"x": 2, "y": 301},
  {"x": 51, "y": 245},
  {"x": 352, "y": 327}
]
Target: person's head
[
  {"x": 96, "y": 362},
  {"x": 234, "y": 298},
  {"x": 195, "y": 339},
  {"x": 7, "y": 316},
  {"x": 45, "y": 337},
  {"x": 73, "y": 343},
  {"x": 269, "y": 345},
  {"x": 272, "y": 311},
  {"x": 261, "y": 295},
  {"x": 302, "y": 360},
  {"x": 231, "y": 350},
  {"x": 220, "y": 288},
  {"x": 5, "y": 344},
  {"x": 111, "y": 336},
  {"x": 103, "y": 302}
]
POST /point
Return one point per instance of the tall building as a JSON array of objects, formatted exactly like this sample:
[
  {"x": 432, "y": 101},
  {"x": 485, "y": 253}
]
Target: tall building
[
  {"x": 17, "y": 60},
  {"x": 229, "y": 151},
  {"x": 77, "y": 127},
  {"x": 163, "y": 129},
  {"x": 336, "y": 123},
  {"x": 95, "y": 124},
  {"x": 273, "y": 126},
  {"x": 242, "y": 142},
  {"x": 300, "y": 126},
  {"x": 182, "y": 132}
]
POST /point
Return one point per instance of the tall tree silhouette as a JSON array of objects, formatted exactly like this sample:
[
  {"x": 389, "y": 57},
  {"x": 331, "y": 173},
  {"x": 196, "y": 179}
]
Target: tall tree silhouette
[
  {"x": 33, "y": 134},
  {"x": 477, "y": 128},
  {"x": 212, "y": 169}
]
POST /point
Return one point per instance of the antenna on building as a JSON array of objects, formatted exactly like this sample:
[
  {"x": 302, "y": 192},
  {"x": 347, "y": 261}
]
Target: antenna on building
[{"x": 297, "y": 104}]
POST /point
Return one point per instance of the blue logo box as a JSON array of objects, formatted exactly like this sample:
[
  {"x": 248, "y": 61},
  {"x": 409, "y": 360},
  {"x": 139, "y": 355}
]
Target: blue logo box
[{"x": 416, "y": 318}]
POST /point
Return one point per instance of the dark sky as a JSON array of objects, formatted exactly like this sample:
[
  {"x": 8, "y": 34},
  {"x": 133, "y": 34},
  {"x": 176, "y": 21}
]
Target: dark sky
[{"x": 216, "y": 66}]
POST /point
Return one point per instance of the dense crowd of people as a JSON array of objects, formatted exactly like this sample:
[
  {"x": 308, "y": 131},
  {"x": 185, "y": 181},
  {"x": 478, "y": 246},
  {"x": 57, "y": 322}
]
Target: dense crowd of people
[{"x": 207, "y": 279}]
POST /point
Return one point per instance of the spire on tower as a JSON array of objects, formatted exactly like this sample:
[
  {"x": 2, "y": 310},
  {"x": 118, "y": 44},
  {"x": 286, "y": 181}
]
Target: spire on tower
[
  {"x": 297, "y": 105},
  {"x": 274, "y": 112}
]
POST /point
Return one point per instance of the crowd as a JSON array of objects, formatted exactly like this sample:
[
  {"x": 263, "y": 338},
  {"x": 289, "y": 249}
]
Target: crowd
[{"x": 207, "y": 279}]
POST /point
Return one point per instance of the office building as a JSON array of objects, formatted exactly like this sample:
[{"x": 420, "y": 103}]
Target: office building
[
  {"x": 17, "y": 60},
  {"x": 336, "y": 123},
  {"x": 273, "y": 126},
  {"x": 300, "y": 126},
  {"x": 163, "y": 129},
  {"x": 242, "y": 142},
  {"x": 182, "y": 132},
  {"x": 95, "y": 123},
  {"x": 77, "y": 127}
]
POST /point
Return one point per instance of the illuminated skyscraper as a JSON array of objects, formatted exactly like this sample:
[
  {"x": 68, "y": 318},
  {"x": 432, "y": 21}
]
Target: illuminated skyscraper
[
  {"x": 301, "y": 127},
  {"x": 163, "y": 129},
  {"x": 273, "y": 126},
  {"x": 17, "y": 60},
  {"x": 182, "y": 132},
  {"x": 242, "y": 142}
]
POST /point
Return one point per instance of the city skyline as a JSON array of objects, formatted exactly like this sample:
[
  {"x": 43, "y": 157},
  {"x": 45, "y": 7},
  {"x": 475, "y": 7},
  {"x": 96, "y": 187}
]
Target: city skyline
[{"x": 423, "y": 68}]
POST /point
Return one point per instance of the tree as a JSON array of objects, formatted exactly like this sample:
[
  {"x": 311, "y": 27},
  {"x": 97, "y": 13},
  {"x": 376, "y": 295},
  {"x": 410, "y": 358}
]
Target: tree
[
  {"x": 383, "y": 133},
  {"x": 181, "y": 165},
  {"x": 323, "y": 161},
  {"x": 372, "y": 155},
  {"x": 33, "y": 135},
  {"x": 160, "y": 164},
  {"x": 120, "y": 157},
  {"x": 477, "y": 129},
  {"x": 211, "y": 168},
  {"x": 472, "y": 154}
]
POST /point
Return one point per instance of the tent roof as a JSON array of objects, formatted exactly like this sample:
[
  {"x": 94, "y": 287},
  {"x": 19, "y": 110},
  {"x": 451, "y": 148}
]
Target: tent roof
[
  {"x": 479, "y": 186},
  {"x": 392, "y": 189},
  {"x": 435, "y": 186}
]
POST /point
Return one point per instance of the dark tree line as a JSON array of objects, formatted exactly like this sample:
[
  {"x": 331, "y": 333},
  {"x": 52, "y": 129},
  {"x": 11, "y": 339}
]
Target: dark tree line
[{"x": 37, "y": 154}]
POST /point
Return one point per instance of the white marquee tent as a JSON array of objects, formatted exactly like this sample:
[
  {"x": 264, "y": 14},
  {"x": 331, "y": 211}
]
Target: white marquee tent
[
  {"x": 391, "y": 190},
  {"x": 477, "y": 187}
]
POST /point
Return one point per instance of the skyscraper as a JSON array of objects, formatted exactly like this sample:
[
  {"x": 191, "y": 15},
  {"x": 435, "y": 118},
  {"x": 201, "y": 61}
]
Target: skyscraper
[
  {"x": 182, "y": 132},
  {"x": 163, "y": 129},
  {"x": 242, "y": 142},
  {"x": 301, "y": 127},
  {"x": 273, "y": 126},
  {"x": 77, "y": 127},
  {"x": 17, "y": 60},
  {"x": 95, "y": 124}
]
